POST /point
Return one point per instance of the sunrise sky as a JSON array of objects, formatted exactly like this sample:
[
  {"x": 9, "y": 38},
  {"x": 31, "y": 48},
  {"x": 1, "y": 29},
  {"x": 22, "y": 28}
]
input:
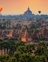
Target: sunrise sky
[{"x": 20, "y": 6}]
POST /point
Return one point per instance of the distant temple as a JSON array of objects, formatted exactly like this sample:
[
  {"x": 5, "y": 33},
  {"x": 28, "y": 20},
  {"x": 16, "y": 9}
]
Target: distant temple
[
  {"x": 25, "y": 36},
  {"x": 28, "y": 12},
  {"x": 43, "y": 32}
]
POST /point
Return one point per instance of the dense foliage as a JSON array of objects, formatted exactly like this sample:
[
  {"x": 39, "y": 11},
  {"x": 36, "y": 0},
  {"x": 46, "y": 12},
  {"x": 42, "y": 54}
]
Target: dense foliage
[{"x": 23, "y": 52}]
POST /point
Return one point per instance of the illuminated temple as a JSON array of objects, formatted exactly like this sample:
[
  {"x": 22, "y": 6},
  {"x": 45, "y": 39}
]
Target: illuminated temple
[{"x": 26, "y": 37}]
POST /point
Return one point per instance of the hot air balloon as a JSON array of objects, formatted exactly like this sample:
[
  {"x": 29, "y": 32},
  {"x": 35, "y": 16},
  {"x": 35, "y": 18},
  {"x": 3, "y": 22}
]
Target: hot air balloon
[
  {"x": 39, "y": 12},
  {"x": 1, "y": 9}
]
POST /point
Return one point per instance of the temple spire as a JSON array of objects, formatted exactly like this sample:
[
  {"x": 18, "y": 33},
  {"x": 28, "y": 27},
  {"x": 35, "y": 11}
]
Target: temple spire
[
  {"x": 28, "y": 8},
  {"x": 28, "y": 12}
]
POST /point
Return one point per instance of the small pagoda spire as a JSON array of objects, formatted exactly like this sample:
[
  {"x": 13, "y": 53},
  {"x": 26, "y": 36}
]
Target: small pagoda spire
[{"x": 28, "y": 8}]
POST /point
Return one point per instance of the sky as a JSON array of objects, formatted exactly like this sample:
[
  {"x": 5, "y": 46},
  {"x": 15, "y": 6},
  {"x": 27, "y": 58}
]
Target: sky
[{"x": 20, "y": 6}]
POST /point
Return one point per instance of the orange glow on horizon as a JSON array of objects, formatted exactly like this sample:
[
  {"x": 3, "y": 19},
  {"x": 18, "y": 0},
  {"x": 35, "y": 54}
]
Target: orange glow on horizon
[{"x": 19, "y": 6}]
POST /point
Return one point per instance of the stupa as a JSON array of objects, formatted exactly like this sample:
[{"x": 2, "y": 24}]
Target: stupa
[{"x": 28, "y": 12}]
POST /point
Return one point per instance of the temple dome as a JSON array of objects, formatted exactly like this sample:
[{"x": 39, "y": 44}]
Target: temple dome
[{"x": 28, "y": 12}]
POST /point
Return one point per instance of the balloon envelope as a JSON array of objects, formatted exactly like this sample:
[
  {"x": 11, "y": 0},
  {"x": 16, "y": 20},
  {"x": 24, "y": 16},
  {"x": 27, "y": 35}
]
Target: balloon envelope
[
  {"x": 39, "y": 12},
  {"x": 1, "y": 9}
]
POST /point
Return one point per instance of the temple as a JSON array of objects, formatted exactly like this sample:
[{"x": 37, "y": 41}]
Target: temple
[
  {"x": 28, "y": 12},
  {"x": 25, "y": 36}
]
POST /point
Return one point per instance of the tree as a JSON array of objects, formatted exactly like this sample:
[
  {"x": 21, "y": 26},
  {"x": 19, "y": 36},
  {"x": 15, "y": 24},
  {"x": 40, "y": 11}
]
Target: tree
[
  {"x": 12, "y": 59},
  {"x": 1, "y": 47},
  {"x": 40, "y": 58},
  {"x": 4, "y": 58},
  {"x": 32, "y": 26},
  {"x": 21, "y": 49},
  {"x": 30, "y": 48},
  {"x": 26, "y": 58},
  {"x": 17, "y": 55},
  {"x": 18, "y": 26},
  {"x": 0, "y": 26},
  {"x": 12, "y": 50},
  {"x": 5, "y": 46},
  {"x": 46, "y": 55},
  {"x": 41, "y": 48},
  {"x": 19, "y": 43}
]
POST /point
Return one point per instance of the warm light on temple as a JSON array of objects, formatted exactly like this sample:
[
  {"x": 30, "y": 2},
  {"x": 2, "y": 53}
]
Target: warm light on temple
[
  {"x": 10, "y": 34},
  {"x": 23, "y": 39}
]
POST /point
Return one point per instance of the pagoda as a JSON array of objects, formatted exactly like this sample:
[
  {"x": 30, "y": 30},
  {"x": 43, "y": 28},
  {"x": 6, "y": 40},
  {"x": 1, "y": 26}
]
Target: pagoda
[
  {"x": 25, "y": 36},
  {"x": 28, "y": 12}
]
